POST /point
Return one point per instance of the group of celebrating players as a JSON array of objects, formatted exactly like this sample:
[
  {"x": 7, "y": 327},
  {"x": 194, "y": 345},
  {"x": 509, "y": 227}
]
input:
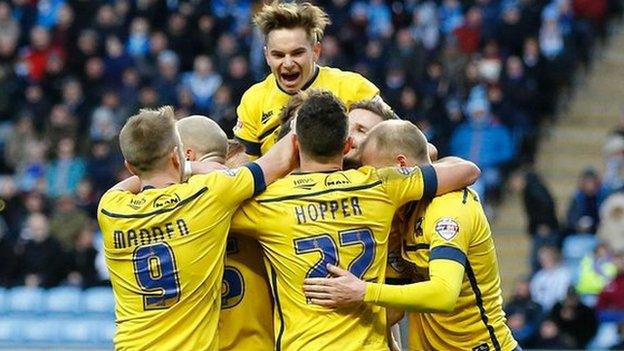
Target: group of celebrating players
[{"x": 316, "y": 230}]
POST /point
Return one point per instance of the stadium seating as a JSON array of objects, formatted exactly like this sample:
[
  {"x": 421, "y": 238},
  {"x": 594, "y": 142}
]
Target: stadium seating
[{"x": 65, "y": 317}]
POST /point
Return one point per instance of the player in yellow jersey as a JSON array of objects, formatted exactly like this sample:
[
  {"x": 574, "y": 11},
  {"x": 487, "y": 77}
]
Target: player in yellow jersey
[
  {"x": 246, "y": 320},
  {"x": 165, "y": 246},
  {"x": 449, "y": 243},
  {"x": 322, "y": 215},
  {"x": 292, "y": 47}
]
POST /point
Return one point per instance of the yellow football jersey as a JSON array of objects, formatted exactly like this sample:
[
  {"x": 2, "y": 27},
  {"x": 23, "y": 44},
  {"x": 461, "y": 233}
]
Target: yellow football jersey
[
  {"x": 246, "y": 321},
  {"x": 164, "y": 250},
  {"x": 453, "y": 226},
  {"x": 260, "y": 106},
  {"x": 307, "y": 220}
]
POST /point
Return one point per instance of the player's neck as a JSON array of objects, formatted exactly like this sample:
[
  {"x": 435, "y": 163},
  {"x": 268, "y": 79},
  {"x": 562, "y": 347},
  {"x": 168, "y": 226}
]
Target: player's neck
[
  {"x": 307, "y": 165},
  {"x": 160, "y": 179}
]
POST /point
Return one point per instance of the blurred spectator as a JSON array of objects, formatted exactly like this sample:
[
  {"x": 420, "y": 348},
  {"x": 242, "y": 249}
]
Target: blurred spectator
[
  {"x": 539, "y": 204},
  {"x": 613, "y": 150},
  {"x": 469, "y": 34},
  {"x": 575, "y": 320},
  {"x": 167, "y": 80},
  {"x": 550, "y": 337},
  {"x": 586, "y": 200},
  {"x": 60, "y": 125},
  {"x": 611, "y": 230},
  {"x": 550, "y": 284},
  {"x": 102, "y": 165},
  {"x": 83, "y": 256},
  {"x": 67, "y": 221},
  {"x": 7, "y": 253},
  {"x": 239, "y": 78},
  {"x": 223, "y": 110},
  {"x": 484, "y": 142},
  {"x": 107, "y": 119},
  {"x": 36, "y": 56},
  {"x": 202, "y": 82},
  {"x": 612, "y": 296},
  {"x": 620, "y": 345},
  {"x": 39, "y": 255},
  {"x": 9, "y": 27},
  {"x": 16, "y": 148},
  {"x": 523, "y": 314},
  {"x": 596, "y": 270},
  {"x": 31, "y": 173},
  {"x": 64, "y": 173}
]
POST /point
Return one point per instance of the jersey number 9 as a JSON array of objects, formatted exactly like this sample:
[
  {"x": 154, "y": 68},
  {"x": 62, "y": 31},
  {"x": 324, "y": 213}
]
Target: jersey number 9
[{"x": 157, "y": 275}]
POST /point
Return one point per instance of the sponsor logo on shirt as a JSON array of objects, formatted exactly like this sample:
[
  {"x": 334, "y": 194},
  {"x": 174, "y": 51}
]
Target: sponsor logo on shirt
[{"x": 166, "y": 201}]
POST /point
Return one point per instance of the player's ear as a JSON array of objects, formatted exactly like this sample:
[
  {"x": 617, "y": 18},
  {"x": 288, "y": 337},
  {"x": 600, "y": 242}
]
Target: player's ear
[
  {"x": 131, "y": 168},
  {"x": 347, "y": 146},
  {"x": 316, "y": 50},
  {"x": 401, "y": 160}
]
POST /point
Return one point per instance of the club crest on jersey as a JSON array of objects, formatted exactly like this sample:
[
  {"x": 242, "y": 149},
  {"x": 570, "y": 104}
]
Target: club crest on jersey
[{"x": 447, "y": 228}]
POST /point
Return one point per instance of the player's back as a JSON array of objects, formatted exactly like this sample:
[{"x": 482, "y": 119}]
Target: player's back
[
  {"x": 164, "y": 249},
  {"x": 306, "y": 221},
  {"x": 450, "y": 224},
  {"x": 246, "y": 320},
  {"x": 260, "y": 107}
]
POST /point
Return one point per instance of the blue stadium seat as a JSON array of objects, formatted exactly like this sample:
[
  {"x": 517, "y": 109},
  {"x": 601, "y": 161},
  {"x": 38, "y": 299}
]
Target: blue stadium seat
[
  {"x": 98, "y": 300},
  {"x": 103, "y": 331},
  {"x": 11, "y": 329},
  {"x": 25, "y": 300},
  {"x": 40, "y": 330},
  {"x": 63, "y": 300},
  {"x": 75, "y": 330},
  {"x": 3, "y": 300}
]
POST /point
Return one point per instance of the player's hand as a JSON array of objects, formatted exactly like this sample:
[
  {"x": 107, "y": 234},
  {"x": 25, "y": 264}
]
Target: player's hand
[{"x": 343, "y": 289}]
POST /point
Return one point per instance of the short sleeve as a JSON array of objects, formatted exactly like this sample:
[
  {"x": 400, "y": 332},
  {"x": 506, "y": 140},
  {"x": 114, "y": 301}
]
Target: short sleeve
[
  {"x": 246, "y": 129},
  {"x": 404, "y": 184},
  {"x": 365, "y": 89},
  {"x": 448, "y": 227}
]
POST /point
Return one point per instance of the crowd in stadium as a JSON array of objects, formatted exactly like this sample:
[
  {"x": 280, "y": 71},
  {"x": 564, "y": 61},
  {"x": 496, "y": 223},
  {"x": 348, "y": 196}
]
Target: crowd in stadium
[{"x": 478, "y": 77}]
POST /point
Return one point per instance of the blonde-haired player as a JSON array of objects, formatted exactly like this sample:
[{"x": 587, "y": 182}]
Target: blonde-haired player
[
  {"x": 246, "y": 321},
  {"x": 453, "y": 260},
  {"x": 165, "y": 243},
  {"x": 292, "y": 33}
]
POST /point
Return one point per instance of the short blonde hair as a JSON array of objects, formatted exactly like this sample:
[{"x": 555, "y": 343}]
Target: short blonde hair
[
  {"x": 393, "y": 137},
  {"x": 148, "y": 137},
  {"x": 278, "y": 15},
  {"x": 203, "y": 135}
]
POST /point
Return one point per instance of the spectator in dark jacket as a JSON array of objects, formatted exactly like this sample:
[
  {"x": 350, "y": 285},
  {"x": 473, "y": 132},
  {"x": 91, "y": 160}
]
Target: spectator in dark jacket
[
  {"x": 575, "y": 320},
  {"x": 586, "y": 200},
  {"x": 40, "y": 257},
  {"x": 523, "y": 314}
]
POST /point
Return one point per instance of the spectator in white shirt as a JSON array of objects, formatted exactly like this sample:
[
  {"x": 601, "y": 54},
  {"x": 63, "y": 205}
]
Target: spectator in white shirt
[{"x": 550, "y": 284}]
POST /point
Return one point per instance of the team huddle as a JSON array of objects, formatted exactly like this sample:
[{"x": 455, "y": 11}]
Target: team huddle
[{"x": 325, "y": 222}]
